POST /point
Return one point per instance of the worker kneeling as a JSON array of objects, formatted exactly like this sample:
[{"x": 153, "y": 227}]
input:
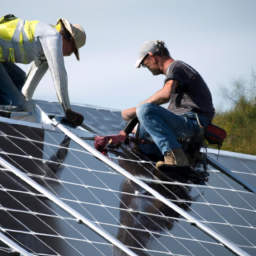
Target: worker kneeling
[
  {"x": 44, "y": 46},
  {"x": 189, "y": 111}
]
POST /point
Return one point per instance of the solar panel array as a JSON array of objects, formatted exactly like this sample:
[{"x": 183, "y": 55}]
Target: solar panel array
[{"x": 116, "y": 204}]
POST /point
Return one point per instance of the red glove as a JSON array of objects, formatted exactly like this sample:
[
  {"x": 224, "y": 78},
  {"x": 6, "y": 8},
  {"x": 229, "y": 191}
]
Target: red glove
[
  {"x": 74, "y": 118},
  {"x": 100, "y": 142}
]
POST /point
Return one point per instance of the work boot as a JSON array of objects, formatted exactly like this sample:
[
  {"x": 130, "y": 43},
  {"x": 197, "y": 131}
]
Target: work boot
[{"x": 175, "y": 157}]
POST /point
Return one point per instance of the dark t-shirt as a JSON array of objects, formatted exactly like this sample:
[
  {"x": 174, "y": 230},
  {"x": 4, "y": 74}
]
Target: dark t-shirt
[{"x": 192, "y": 94}]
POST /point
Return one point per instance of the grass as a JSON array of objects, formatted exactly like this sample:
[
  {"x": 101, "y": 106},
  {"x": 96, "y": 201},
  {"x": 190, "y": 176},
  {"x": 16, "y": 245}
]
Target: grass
[{"x": 240, "y": 120}]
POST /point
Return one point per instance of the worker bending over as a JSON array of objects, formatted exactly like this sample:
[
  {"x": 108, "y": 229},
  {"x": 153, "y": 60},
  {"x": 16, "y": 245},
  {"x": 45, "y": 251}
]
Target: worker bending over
[
  {"x": 188, "y": 95},
  {"x": 43, "y": 46}
]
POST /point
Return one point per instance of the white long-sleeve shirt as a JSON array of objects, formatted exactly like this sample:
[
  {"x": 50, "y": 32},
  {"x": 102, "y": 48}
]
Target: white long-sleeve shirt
[
  {"x": 40, "y": 44},
  {"x": 49, "y": 55}
]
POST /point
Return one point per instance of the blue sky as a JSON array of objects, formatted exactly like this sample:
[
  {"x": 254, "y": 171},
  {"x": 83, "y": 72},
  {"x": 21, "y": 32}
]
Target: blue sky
[{"x": 216, "y": 37}]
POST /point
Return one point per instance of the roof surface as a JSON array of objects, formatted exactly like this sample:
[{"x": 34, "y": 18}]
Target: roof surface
[{"x": 116, "y": 204}]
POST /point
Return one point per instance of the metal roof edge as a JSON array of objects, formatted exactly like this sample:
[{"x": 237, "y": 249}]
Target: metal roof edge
[
  {"x": 231, "y": 154},
  {"x": 92, "y": 106}
]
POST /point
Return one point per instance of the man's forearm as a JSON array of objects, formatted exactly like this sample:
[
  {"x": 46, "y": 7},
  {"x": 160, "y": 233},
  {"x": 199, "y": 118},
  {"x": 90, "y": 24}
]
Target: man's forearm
[
  {"x": 163, "y": 95},
  {"x": 158, "y": 98},
  {"x": 129, "y": 114},
  {"x": 52, "y": 47}
]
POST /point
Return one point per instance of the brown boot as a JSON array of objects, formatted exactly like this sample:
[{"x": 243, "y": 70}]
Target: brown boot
[{"x": 175, "y": 157}]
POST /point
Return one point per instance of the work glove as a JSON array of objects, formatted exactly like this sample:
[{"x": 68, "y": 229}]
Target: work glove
[
  {"x": 100, "y": 142},
  {"x": 74, "y": 118}
]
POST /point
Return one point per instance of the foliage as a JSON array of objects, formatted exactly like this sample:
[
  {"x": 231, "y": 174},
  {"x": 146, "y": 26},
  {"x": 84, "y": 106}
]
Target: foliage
[{"x": 240, "y": 120}]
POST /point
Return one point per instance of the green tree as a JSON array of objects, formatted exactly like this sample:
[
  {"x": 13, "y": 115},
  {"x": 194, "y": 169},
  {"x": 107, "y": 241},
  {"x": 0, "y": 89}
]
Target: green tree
[{"x": 239, "y": 120}]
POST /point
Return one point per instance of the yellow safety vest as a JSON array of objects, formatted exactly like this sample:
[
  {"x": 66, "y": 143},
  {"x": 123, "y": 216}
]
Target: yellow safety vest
[{"x": 15, "y": 35}]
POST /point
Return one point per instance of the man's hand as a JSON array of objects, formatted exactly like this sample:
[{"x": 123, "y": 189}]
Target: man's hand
[
  {"x": 100, "y": 142},
  {"x": 74, "y": 118},
  {"x": 123, "y": 133}
]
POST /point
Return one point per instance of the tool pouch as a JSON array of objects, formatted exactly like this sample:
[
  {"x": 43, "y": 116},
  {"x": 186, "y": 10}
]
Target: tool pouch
[{"x": 214, "y": 134}]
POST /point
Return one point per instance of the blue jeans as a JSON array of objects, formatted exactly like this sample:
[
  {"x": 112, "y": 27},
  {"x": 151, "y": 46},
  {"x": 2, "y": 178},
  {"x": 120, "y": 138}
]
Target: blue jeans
[
  {"x": 164, "y": 127},
  {"x": 12, "y": 79}
]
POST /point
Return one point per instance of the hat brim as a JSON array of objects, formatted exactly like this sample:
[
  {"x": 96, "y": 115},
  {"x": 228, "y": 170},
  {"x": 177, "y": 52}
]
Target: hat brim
[
  {"x": 140, "y": 60},
  {"x": 76, "y": 52}
]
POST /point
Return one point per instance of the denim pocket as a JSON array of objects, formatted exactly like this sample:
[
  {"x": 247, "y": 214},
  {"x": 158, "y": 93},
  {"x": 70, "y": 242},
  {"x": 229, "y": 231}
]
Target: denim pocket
[
  {"x": 202, "y": 118},
  {"x": 190, "y": 115}
]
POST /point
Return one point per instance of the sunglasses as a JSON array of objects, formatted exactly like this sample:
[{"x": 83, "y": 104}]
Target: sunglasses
[{"x": 143, "y": 65}]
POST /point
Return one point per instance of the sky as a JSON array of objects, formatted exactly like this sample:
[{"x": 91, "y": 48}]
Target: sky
[{"x": 217, "y": 38}]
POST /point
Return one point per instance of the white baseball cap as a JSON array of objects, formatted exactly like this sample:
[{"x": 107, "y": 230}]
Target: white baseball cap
[{"x": 153, "y": 46}]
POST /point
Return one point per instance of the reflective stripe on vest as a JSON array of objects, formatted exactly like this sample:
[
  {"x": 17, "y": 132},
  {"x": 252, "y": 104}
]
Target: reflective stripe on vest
[
  {"x": 16, "y": 43},
  {"x": 29, "y": 29},
  {"x": 1, "y": 54},
  {"x": 13, "y": 34},
  {"x": 11, "y": 57}
]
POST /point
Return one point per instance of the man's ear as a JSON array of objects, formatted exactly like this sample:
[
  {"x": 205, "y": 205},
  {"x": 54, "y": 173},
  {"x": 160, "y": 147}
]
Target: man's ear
[{"x": 151, "y": 55}]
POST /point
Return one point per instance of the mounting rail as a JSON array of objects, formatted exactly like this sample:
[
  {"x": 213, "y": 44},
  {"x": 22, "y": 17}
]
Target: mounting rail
[
  {"x": 222, "y": 240},
  {"x": 13, "y": 245}
]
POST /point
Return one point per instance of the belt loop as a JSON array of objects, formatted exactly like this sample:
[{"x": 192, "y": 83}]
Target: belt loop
[
  {"x": 198, "y": 121},
  {"x": 201, "y": 127}
]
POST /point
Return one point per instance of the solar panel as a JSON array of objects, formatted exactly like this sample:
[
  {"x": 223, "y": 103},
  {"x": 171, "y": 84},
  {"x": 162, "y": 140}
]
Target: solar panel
[
  {"x": 115, "y": 203},
  {"x": 239, "y": 164}
]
